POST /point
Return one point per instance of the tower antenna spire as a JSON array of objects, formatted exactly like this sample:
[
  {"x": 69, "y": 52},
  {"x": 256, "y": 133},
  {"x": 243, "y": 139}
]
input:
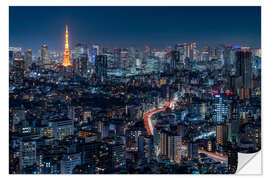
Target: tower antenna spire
[{"x": 66, "y": 62}]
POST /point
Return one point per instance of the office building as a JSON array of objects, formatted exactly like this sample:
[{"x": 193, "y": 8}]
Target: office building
[
  {"x": 27, "y": 154},
  {"x": 101, "y": 67},
  {"x": 69, "y": 162},
  {"x": 28, "y": 58}
]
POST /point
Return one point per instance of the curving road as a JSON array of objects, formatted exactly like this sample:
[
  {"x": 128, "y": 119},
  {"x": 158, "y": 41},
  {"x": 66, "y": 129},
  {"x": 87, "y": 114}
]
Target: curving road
[
  {"x": 213, "y": 155},
  {"x": 150, "y": 130},
  {"x": 148, "y": 116}
]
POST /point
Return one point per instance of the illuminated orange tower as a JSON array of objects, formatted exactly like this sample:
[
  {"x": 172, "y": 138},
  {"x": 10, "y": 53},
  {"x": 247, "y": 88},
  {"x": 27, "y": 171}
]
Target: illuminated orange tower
[{"x": 66, "y": 62}]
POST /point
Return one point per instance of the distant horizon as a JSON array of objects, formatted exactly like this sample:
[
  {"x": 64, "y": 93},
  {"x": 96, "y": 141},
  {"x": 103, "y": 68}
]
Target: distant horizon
[{"x": 122, "y": 27}]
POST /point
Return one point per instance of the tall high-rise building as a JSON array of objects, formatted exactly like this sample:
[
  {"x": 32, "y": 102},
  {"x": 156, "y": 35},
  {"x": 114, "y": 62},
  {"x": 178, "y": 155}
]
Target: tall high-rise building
[
  {"x": 235, "y": 122},
  {"x": 18, "y": 67},
  {"x": 192, "y": 150},
  {"x": 180, "y": 48},
  {"x": 132, "y": 52},
  {"x": 14, "y": 51},
  {"x": 175, "y": 58},
  {"x": 244, "y": 72},
  {"x": 217, "y": 52},
  {"x": 94, "y": 52},
  {"x": 147, "y": 52},
  {"x": 163, "y": 144},
  {"x": 80, "y": 64},
  {"x": 221, "y": 131},
  {"x": 124, "y": 58},
  {"x": 186, "y": 50},
  {"x": 79, "y": 50},
  {"x": 227, "y": 55},
  {"x": 116, "y": 54},
  {"x": 244, "y": 67},
  {"x": 66, "y": 62},
  {"x": 28, "y": 58},
  {"x": 192, "y": 50},
  {"x": 220, "y": 108},
  {"x": 44, "y": 54},
  {"x": 83, "y": 59},
  {"x": 174, "y": 148},
  {"x": 101, "y": 67}
]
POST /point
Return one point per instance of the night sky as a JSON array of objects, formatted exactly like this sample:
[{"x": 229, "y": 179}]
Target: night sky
[{"x": 29, "y": 27}]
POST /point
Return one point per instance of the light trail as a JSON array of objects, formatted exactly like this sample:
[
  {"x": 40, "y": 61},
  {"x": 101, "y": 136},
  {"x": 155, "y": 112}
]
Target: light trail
[
  {"x": 148, "y": 116},
  {"x": 218, "y": 156},
  {"x": 150, "y": 130},
  {"x": 205, "y": 135}
]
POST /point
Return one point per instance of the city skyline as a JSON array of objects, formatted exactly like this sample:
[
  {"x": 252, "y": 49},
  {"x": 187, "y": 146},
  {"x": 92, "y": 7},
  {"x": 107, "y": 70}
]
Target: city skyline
[
  {"x": 154, "y": 26},
  {"x": 95, "y": 109}
]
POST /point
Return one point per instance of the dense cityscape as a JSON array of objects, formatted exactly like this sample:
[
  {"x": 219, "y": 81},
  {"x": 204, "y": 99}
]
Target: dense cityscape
[{"x": 182, "y": 109}]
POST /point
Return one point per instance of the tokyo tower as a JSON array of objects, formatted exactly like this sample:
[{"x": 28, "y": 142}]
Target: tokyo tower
[{"x": 66, "y": 62}]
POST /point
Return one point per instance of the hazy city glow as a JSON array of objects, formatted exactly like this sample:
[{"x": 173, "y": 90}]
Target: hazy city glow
[{"x": 185, "y": 108}]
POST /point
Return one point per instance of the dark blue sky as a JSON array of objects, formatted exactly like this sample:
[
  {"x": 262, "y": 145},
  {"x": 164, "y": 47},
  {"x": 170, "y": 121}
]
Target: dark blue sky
[{"x": 29, "y": 27}]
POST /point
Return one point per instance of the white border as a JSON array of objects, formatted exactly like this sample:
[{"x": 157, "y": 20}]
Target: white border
[
  {"x": 137, "y": 2},
  {"x": 251, "y": 164},
  {"x": 4, "y": 72}
]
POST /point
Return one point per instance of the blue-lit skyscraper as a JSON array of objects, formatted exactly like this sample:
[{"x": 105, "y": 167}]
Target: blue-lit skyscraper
[
  {"x": 79, "y": 49},
  {"x": 220, "y": 109},
  {"x": 94, "y": 52}
]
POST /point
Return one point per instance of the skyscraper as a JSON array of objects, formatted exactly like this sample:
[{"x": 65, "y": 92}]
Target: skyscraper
[
  {"x": 174, "y": 148},
  {"x": 80, "y": 64},
  {"x": 44, "y": 54},
  {"x": 192, "y": 149},
  {"x": 244, "y": 67},
  {"x": 163, "y": 144},
  {"x": 18, "y": 67},
  {"x": 222, "y": 135},
  {"x": 79, "y": 49},
  {"x": 186, "y": 51},
  {"x": 66, "y": 61},
  {"x": 101, "y": 67},
  {"x": 13, "y": 51},
  {"x": 175, "y": 58},
  {"x": 191, "y": 52},
  {"x": 116, "y": 54},
  {"x": 94, "y": 52},
  {"x": 28, "y": 58},
  {"x": 227, "y": 55},
  {"x": 244, "y": 71},
  {"x": 83, "y": 58},
  {"x": 180, "y": 48},
  {"x": 220, "y": 108}
]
